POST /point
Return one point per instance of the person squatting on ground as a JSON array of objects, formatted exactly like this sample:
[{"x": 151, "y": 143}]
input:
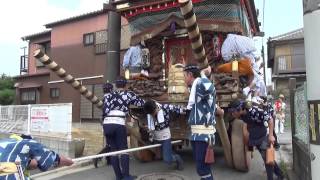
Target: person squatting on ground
[
  {"x": 280, "y": 108},
  {"x": 29, "y": 154},
  {"x": 201, "y": 107},
  {"x": 158, "y": 116},
  {"x": 115, "y": 109},
  {"x": 256, "y": 120},
  {"x": 107, "y": 89}
]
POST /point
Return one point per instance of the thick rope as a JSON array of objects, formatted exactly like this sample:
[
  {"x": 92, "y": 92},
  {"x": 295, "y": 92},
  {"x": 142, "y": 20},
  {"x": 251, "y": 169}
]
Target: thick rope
[
  {"x": 52, "y": 65},
  {"x": 121, "y": 152},
  {"x": 194, "y": 34}
]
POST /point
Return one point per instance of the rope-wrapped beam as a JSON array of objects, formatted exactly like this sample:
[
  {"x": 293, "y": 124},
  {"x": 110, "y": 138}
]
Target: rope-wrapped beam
[
  {"x": 52, "y": 65},
  {"x": 194, "y": 34}
]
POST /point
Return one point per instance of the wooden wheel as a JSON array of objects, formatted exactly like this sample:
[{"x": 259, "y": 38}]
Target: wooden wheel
[
  {"x": 135, "y": 141},
  {"x": 240, "y": 154}
]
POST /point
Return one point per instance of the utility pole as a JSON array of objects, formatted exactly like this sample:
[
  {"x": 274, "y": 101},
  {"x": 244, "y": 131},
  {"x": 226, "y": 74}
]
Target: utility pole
[
  {"x": 311, "y": 18},
  {"x": 262, "y": 50},
  {"x": 264, "y": 64},
  {"x": 113, "y": 42}
]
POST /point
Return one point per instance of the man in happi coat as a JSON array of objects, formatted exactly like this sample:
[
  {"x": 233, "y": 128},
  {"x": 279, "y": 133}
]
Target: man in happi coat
[
  {"x": 17, "y": 154},
  {"x": 202, "y": 107},
  {"x": 115, "y": 109}
]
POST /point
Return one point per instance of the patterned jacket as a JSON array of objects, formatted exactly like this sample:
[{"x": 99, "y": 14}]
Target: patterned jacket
[
  {"x": 270, "y": 109},
  {"x": 164, "y": 122},
  {"x": 120, "y": 100},
  {"x": 12, "y": 150},
  {"x": 203, "y": 109},
  {"x": 255, "y": 119}
]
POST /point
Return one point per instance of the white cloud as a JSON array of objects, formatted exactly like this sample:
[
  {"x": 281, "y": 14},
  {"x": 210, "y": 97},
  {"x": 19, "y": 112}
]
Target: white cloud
[
  {"x": 20, "y": 18},
  {"x": 89, "y": 5}
]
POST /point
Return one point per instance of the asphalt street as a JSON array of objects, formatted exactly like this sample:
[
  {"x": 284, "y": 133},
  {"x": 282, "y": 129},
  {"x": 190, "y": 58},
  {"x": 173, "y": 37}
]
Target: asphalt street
[{"x": 221, "y": 171}]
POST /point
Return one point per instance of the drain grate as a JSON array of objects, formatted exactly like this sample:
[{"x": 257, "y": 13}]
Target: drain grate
[{"x": 162, "y": 176}]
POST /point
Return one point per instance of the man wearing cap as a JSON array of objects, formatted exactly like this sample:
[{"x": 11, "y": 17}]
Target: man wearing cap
[
  {"x": 257, "y": 121},
  {"x": 107, "y": 89},
  {"x": 158, "y": 116},
  {"x": 115, "y": 109},
  {"x": 18, "y": 153},
  {"x": 280, "y": 107},
  {"x": 202, "y": 107}
]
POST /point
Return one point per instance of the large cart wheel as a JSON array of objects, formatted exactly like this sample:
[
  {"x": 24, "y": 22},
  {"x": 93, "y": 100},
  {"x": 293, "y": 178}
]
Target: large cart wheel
[
  {"x": 146, "y": 155},
  {"x": 143, "y": 155},
  {"x": 241, "y": 155}
]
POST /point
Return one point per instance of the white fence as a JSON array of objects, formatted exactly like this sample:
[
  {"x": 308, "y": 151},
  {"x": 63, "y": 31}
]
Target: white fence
[{"x": 49, "y": 120}]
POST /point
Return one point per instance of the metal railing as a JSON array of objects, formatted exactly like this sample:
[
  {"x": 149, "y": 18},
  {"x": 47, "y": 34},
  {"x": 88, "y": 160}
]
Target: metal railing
[{"x": 23, "y": 64}]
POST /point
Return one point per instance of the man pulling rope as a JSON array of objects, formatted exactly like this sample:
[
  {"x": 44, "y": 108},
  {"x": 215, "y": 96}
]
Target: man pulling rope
[{"x": 18, "y": 154}]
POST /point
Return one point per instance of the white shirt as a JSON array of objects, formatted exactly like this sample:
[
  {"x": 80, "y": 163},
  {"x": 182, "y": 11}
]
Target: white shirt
[
  {"x": 115, "y": 120},
  {"x": 192, "y": 96},
  {"x": 163, "y": 134}
]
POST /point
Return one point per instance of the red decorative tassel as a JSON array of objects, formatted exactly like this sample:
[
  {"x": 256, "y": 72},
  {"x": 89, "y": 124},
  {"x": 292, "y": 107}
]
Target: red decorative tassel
[{"x": 209, "y": 159}]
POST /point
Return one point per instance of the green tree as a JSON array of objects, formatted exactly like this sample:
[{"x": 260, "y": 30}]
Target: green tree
[{"x": 7, "y": 92}]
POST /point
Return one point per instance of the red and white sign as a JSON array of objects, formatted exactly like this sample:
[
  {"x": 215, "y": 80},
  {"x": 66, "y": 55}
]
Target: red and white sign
[{"x": 40, "y": 119}]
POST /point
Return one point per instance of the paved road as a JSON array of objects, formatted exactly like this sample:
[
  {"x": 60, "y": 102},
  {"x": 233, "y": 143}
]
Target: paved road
[{"x": 221, "y": 171}]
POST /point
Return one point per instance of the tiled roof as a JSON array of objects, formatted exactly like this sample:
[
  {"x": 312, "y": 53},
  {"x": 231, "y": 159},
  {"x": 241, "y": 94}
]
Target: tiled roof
[
  {"x": 296, "y": 34},
  {"x": 36, "y": 35},
  {"x": 74, "y": 18}
]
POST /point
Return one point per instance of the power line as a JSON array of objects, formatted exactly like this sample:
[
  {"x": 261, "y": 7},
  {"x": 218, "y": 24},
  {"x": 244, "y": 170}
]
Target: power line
[
  {"x": 262, "y": 44},
  {"x": 263, "y": 10}
]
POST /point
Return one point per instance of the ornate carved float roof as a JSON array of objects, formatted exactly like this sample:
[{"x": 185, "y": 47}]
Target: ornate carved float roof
[{"x": 145, "y": 14}]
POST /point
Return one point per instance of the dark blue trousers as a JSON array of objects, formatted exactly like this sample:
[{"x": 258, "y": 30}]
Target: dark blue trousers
[
  {"x": 116, "y": 136},
  {"x": 271, "y": 169},
  {"x": 199, "y": 149},
  {"x": 168, "y": 155}
]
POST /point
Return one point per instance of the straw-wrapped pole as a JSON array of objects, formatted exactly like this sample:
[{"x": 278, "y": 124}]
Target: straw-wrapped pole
[
  {"x": 69, "y": 79},
  {"x": 194, "y": 34}
]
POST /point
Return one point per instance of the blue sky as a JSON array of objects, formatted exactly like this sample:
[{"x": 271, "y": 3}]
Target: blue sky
[
  {"x": 20, "y": 18},
  {"x": 281, "y": 16}
]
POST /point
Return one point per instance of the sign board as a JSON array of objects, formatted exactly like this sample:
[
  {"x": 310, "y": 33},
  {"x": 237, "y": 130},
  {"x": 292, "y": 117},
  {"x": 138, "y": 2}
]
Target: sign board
[
  {"x": 40, "y": 119},
  {"x": 52, "y": 120}
]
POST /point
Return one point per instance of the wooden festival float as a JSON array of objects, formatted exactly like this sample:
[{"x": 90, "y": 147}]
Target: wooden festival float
[{"x": 175, "y": 33}]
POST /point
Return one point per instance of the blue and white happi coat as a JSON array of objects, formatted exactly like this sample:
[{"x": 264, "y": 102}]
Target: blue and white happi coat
[
  {"x": 12, "y": 150},
  {"x": 257, "y": 122},
  {"x": 203, "y": 107},
  {"x": 120, "y": 100},
  {"x": 163, "y": 116}
]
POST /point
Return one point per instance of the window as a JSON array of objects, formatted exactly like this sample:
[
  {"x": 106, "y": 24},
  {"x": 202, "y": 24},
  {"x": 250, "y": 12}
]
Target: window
[
  {"x": 282, "y": 63},
  {"x": 28, "y": 97},
  {"x": 101, "y": 42},
  {"x": 46, "y": 48},
  {"x": 54, "y": 92},
  {"x": 88, "y": 39}
]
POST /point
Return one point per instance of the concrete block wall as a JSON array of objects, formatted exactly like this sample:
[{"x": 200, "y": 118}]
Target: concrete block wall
[
  {"x": 92, "y": 133},
  {"x": 61, "y": 146}
]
